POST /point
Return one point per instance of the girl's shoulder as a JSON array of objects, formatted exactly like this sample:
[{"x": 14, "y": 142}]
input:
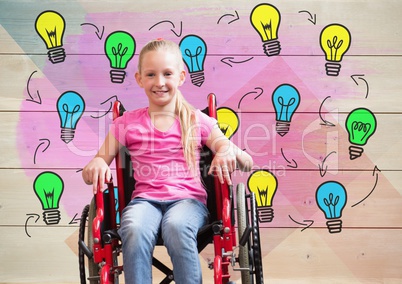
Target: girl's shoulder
[
  {"x": 202, "y": 115},
  {"x": 136, "y": 116}
]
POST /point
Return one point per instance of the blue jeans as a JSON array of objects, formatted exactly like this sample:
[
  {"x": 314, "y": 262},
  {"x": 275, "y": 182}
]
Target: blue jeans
[{"x": 178, "y": 223}]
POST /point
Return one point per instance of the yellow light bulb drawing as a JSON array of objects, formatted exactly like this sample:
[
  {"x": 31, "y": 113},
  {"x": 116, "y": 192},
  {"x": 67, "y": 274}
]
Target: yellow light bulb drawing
[
  {"x": 50, "y": 26},
  {"x": 264, "y": 185},
  {"x": 266, "y": 19},
  {"x": 335, "y": 40},
  {"x": 228, "y": 121}
]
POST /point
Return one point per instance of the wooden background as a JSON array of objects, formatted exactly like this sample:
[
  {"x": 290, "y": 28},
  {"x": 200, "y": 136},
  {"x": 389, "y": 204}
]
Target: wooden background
[{"x": 296, "y": 245}]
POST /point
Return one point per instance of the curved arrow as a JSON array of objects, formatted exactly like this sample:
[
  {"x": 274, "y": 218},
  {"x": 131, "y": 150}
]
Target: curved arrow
[
  {"x": 74, "y": 220},
  {"x": 375, "y": 171},
  {"x": 230, "y": 15},
  {"x": 26, "y": 222},
  {"x": 37, "y": 92},
  {"x": 261, "y": 91},
  {"x": 306, "y": 226},
  {"x": 110, "y": 106},
  {"x": 360, "y": 77},
  {"x": 166, "y": 21},
  {"x": 290, "y": 164},
  {"x": 312, "y": 18},
  {"x": 97, "y": 30},
  {"x": 229, "y": 59},
  {"x": 46, "y": 141},
  {"x": 325, "y": 122},
  {"x": 321, "y": 167}
]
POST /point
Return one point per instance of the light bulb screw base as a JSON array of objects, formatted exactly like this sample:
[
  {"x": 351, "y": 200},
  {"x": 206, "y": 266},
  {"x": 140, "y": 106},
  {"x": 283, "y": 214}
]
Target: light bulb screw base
[
  {"x": 282, "y": 127},
  {"x": 56, "y": 55},
  {"x": 355, "y": 152},
  {"x": 272, "y": 47},
  {"x": 265, "y": 214},
  {"x": 117, "y": 76},
  {"x": 67, "y": 135},
  {"x": 334, "y": 226},
  {"x": 51, "y": 217},
  {"x": 332, "y": 68},
  {"x": 197, "y": 78}
]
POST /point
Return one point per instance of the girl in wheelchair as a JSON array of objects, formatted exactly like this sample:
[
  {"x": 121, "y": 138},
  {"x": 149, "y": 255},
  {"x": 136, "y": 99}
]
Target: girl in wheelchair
[{"x": 164, "y": 141}]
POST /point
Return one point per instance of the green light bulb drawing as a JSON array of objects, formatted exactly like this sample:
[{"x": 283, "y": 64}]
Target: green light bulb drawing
[
  {"x": 361, "y": 125},
  {"x": 48, "y": 187},
  {"x": 119, "y": 49}
]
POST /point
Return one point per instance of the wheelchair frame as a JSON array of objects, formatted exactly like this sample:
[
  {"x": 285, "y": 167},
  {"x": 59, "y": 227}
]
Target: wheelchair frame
[{"x": 104, "y": 245}]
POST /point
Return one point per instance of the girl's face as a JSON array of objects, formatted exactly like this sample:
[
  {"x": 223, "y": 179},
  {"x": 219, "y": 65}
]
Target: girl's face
[{"x": 160, "y": 77}]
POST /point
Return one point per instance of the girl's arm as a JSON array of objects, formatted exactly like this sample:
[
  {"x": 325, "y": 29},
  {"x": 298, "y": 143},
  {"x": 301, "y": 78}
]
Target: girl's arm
[
  {"x": 227, "y": 156},
  {"x": 97, "y": 171}
]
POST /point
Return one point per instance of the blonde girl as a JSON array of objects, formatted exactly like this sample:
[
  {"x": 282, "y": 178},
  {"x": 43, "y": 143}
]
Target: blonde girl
[{"x": 164, "y": 140}]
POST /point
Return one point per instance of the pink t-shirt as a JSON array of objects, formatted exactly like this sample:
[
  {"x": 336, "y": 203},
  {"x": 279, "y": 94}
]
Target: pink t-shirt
[{"x": 160, "y": 169}]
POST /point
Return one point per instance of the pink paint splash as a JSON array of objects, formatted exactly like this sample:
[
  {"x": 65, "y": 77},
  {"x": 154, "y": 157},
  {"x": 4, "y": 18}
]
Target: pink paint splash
[{"x": 245, "y": 87}]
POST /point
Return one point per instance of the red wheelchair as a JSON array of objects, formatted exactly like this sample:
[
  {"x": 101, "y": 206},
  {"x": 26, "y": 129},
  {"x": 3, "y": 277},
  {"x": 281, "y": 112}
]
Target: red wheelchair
[{"x": 100, "y": 222}]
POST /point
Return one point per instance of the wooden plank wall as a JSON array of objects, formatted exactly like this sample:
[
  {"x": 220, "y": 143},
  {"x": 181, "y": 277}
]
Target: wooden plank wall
[{"x": 297, "y": 246}]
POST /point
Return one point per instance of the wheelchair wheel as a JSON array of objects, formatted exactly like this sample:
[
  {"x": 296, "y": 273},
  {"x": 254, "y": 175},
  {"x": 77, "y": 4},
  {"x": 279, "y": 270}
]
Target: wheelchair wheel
[
  {"x": 81, "y": 236},
  {"x": 256, "y": 245},
  {"x": 93, "y": 268},
  {"x": 242, "y": 223},
  {"x": 87, "y": 216}
]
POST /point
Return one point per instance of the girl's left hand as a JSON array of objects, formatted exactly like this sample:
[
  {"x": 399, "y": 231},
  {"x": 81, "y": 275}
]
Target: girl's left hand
[{"x": 223, "y": 164}]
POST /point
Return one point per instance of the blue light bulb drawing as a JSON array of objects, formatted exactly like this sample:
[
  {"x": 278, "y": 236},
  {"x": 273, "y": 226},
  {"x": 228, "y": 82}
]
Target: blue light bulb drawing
[
  {"x": 70, "y": 107},
  {"x": 194, "y": 51},
  {"x": 331, "y": 199},
  {"x": 285, "y": 99}
]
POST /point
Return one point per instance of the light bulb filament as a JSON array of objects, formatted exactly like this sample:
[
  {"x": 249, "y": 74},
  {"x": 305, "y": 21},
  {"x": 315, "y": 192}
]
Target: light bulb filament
[
  {"x": 267, "y": 28},
  {"x": 358, "y": 127},
  {"x": 49, "y": 197},
  {"x": 285, "y": 108},
  {"x": 194, "y": 57},
  {"x": 224, "y": 129},
  {"x": 52, "y": 35},
  {"x": 70, "y": 115},
  {"x": 331, "y": 204},
  {"x": 118, "y": 54},
  {"x": 334, "y": 46},
  {"x": 263, "y": 194}
]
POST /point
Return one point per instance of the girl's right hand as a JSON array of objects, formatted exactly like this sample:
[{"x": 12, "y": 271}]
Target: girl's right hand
[{"x": 96, "y": 172}]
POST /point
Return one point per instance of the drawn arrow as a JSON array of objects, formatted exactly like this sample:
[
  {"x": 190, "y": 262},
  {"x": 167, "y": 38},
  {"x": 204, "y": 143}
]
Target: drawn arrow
[
  {"x": 75, "y": 220},
  {"x": 361, "y": 78},
  {"x": 37, "y": 96},
  {"x": 324, "y": 122},
  {"x": 98, "y": 33},
  {"x": 312, "y": 18},
  {"x": 306, "y": 226},
  {"x": 259, "y": 91},
  {"x": 292, "y": 164},
  {"x": 26, "y": 222},
  {"x": 321, "y": 167},
  {"x": 110, "y": 106},
  {"x": 236, "y": 17},
  {"x": 229, "y": 60},
  {"x": 45, "y": 142},
  {"x": 166, "y": 21},
  {"x": 375, "y": 172}
]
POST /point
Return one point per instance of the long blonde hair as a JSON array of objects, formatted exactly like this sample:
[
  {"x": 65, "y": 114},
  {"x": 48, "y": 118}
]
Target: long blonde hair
[{"x": 183, "y": 109}]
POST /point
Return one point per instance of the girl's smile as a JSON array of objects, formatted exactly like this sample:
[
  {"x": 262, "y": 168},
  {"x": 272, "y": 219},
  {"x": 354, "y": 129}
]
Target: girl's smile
[{"x": 160, "y": 76}]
